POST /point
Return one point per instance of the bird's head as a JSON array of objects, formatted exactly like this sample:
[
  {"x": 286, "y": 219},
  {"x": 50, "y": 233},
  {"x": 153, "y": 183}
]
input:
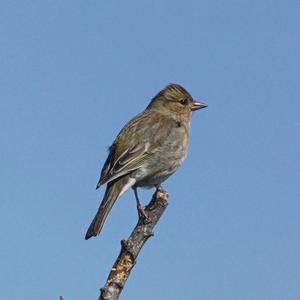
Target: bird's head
[{"x": 175, "y": 100}]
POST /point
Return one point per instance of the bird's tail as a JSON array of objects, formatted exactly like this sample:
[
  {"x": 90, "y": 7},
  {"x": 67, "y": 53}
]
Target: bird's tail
[{"x": 113, "y": 191}]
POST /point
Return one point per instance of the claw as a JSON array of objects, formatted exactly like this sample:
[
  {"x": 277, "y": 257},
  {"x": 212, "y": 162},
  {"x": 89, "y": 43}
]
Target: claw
[{"x": 142, "y": 213}]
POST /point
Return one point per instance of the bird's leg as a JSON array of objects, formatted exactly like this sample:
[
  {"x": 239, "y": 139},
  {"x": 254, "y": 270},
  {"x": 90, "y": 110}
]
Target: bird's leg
[{"x": 140, "y": 208}]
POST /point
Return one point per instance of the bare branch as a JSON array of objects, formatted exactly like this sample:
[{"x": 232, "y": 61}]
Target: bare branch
[{"x": 131, "y": 248}]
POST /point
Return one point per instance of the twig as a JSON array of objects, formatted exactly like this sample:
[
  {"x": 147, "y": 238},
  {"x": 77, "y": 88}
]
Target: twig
[{"x": 131, "y": 248}]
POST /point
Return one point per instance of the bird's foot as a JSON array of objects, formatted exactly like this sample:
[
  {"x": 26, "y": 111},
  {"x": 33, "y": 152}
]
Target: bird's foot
[{"x": 142, "y": 213}]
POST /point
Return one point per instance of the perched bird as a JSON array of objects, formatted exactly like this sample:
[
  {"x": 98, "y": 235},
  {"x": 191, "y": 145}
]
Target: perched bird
[{"x": 147, "y": 150}]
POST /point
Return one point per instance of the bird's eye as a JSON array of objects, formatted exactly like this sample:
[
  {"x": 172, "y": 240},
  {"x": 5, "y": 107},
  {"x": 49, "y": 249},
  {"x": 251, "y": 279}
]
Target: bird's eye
[{"x": 184, "y": 101}]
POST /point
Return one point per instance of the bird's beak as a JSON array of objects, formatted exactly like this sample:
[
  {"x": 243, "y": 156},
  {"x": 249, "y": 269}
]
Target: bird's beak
[{"x": 197, "y": 105}]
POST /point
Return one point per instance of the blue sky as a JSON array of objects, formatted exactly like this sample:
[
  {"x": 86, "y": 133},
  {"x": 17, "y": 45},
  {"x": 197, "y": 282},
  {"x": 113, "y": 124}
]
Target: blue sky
[{"x": 74, "y": 72}]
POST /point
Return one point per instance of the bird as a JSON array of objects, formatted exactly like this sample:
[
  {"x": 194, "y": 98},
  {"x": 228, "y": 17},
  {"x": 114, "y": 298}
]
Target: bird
[{"x": 148, "y": 150}]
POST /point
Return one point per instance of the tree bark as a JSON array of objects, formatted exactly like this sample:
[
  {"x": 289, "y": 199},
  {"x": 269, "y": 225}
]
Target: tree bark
[{"x": 131, "y": 248}]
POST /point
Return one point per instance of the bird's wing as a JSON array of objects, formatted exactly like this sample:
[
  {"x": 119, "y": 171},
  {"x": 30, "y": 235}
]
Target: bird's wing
[
  {"x": 129, "y": 160},
  {"x": 135, "y": 144}
]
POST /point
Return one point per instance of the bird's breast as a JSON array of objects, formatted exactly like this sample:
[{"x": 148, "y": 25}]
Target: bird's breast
[{"x": 169, "y": 155}]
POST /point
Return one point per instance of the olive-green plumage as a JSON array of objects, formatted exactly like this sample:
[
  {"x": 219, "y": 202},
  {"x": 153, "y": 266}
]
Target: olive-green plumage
[{"x": 148, "y": 149}]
